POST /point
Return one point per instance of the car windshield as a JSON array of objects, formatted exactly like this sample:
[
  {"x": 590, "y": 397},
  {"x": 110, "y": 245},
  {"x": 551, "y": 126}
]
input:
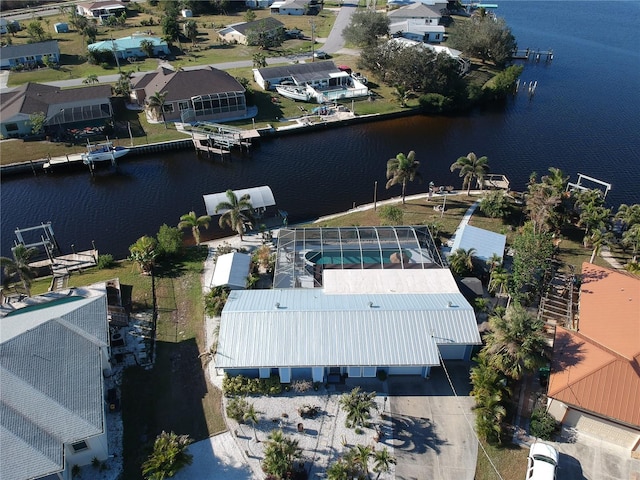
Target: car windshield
[{"x": 545, "y": 459}]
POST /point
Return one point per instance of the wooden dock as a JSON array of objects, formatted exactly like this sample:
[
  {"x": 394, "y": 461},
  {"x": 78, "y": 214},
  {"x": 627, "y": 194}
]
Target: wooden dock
[
  {"x": 534, "y": 55},
  {"x": 64, "y": 264},
  {"x": 494, "y": 181}
]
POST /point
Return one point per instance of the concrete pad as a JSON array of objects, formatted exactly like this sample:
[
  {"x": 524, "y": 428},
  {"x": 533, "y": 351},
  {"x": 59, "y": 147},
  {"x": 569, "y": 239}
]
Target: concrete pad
[{"x": 216, "y": 458}]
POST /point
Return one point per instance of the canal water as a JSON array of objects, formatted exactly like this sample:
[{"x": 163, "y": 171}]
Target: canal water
[{"x": 584, "y": 118}]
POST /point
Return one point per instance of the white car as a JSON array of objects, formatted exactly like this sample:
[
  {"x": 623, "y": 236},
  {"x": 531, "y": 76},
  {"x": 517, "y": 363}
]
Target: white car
[{"x": 542, "y": 462}]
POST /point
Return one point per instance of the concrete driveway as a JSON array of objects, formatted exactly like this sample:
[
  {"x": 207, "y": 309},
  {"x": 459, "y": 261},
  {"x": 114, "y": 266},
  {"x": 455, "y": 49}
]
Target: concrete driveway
[{"x": 432, "y": 437}]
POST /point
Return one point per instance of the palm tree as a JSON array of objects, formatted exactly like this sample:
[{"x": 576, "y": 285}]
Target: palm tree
[
  {"x": 361, "y": 454},
  {"x": 19, "y": 266},
  {"x": 541, "y": 203},
  {"x": 91, "y": 79},
  {"x": 144, "y": 252},
  {"x": 498, "y": 280},
  {"x": 190, "y": 220},
  {"x": 358, "y": 406},
  {"x": 168, "y": 457},
  {"x": 156, "y": 103},
  {"x": 237, "y": 212},
  {"x": 555, "y": 180},
  {"x": 382, "y": 461},
  {"x": 516, "y": 342},
  {"x": 471, "y": 167},
  {"x": 489, "y": 415},
  {"x": 631, "y": 238},
  {"x": 259, "y": 60},
  {"x": 628, "y": 214},
  {"x": 340, "y": 470},
  {"x": 191, "y": 31},
  {"x": 461, "y": 261},
  {"x": 279, "y": 454},
  {"x": 402, "y": 169},
  {"x": 251, "y": 415},
  {"x": 147, "y": 47},
  {"x": 402, "y": 94},
  {"x": 485, "y": 378},
  {"x": 495, "y": 261}
]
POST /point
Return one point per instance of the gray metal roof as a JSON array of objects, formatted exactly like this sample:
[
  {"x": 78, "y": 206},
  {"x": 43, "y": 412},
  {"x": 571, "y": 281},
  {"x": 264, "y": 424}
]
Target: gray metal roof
[
  {"x": 30, "y": 49},
  {"x": 485, "y": 242},
  {"x": 51, "y": 364},
  {"x": 307, "y": 327}
]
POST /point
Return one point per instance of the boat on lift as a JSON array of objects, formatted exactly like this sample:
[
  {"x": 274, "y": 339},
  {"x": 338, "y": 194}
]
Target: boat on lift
[
  {"x": 103, "y": 152},
  {"x": 294, "y": 92}
]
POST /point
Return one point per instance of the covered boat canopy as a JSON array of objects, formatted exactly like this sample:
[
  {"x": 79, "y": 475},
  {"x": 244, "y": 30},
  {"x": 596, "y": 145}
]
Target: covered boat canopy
[{"x": 260, "y": 197}]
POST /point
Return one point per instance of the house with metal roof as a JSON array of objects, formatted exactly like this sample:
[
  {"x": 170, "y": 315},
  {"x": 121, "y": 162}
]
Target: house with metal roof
[
  {"x": 485, "y": 242},
  {"x": 127, "y": 47},
  {"x": 237, "y": 33},
  {"x": 349, "y": 301},
  {"x": 29, "y": 54},
  {"x": 54, "y": 353},
  {"x": 63, "y": 108},
  {"x": 192, "y": 95},
  {"x": 594, "y": 384}
]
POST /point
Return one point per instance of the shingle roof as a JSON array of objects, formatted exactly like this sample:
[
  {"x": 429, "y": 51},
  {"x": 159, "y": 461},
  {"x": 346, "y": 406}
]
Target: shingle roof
[
  {"x": 308, "y": 327},
  {"x": 30, "y": 49},
  {"x": 415, "y": 10},
  {"x": 597, "y": 369},
  {"x": 51, "y": 382},
  {"x": 267, "y": 23},
  {"x": 185, "y": 84}
]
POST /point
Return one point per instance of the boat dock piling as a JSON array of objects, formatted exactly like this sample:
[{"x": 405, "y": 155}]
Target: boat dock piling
[
  {"x": 530, "y": 54},
  {"x": 530, "y": 87}
]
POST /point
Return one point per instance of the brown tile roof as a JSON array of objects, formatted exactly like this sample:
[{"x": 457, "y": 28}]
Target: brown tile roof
[
  {"x": 598, "y": 368},
  {"x": 185, "y": 84}
]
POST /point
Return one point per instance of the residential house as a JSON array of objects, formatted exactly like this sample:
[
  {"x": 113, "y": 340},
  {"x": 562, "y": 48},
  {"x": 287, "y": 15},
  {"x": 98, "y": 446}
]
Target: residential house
[
  {"x": 101, "y": 9},
  {"x": 349, "y": 301},
  {"x": 127, "y": 47},
  {"x": 29, "y": 55},
  {"x": 463, "y": 63},
  {"x": 594, "y": 384},
  {"x": 292, "y": 7},
  {"x": 4, "y": 25},
  {"x": 192, "y": 95},
  {"x": 54, "y": 356},
  {"x": 83, "y": 106},
  {"x": 237, "y": 33},
  {"x": 418, "y": 21},
  {"x": 321, "y": 81}
]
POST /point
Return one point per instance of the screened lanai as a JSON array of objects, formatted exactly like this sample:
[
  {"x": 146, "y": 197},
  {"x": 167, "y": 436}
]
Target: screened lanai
[{"x": 304, "y": 253}]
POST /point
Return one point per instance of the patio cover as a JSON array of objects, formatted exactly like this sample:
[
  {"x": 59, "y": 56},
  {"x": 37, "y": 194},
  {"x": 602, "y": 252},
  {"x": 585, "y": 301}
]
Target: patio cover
[
  {"x": 232, "y": 270},
  {"x": 261, "y": 197}
]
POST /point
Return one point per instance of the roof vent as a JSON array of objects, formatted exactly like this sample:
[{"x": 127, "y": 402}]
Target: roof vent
[
  {"x": 277, "y": 305},
  {"x": 450, "y": 304},
  {"x": 370, "y": 304}
]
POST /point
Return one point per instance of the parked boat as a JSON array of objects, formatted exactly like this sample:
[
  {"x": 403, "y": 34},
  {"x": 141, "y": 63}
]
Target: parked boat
[
  {"x": 103, "y": 152},
  {"x": 294, "y": 92}
]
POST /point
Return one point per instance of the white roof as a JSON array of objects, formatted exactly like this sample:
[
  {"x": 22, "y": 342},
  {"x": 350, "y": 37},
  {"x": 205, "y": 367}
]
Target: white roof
[
  {"x": 231, "y": 270},
  {"x": 394, "y": 281},
  {"x": 452, "y": 52},
  {"x": 309, "y": 327},
  {"x": 260, "y": 197},
  {"x": 485, "y": 242}
]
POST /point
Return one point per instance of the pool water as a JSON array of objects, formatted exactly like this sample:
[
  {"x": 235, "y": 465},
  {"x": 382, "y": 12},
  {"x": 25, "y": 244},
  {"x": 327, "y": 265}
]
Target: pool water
[{"x": 350, "y": 257}]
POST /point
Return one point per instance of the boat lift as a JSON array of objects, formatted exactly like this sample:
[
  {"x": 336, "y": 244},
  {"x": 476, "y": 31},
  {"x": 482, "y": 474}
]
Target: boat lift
[{"x": 579, "y": 186}]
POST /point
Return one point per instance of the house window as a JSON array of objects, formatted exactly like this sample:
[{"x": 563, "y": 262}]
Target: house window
[
  {"x": 168, "y": 108},
  {"x": 11, "y": 127},
  {"x": 80, "y": 446},
  {"x": 183, "y": 105}
]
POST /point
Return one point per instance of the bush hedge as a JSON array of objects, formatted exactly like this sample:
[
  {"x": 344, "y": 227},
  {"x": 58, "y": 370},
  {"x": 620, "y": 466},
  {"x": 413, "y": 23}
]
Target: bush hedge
[{"x": 241, "y": 385}]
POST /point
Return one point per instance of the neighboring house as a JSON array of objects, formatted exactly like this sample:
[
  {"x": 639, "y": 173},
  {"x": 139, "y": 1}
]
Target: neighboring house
[
  {"x": 4, "y": 23},
  {"x": 463, "y": 63},
  {"x": 290, "y": 7},
  {"x": 192, "y": 95},
  {"x": 418, "y": 21},
  {"x": 322, "y": 81},
  {"x": 485, "y": 242},
  {"x": 257, "y": 3},
  {"x": 594, "y": 385},
  {"x": 62, "y": 108},
  {"x": 350, "y": 301},
  {"x": 101, "y": 9},
  {"x": 30, "y": 54},
  {"x": 54, "y": 355},
  {"x": 126, "y": 47},
  {"x": 238, "y": 33}
]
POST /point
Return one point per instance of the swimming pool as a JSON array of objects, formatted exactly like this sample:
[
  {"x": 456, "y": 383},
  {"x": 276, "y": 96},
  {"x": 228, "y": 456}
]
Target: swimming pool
[{"x": 350, "y": 257}]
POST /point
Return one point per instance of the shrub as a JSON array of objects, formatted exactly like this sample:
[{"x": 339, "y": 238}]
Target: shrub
[
  {"x": 390, "y": 215},
  {"x": 169, "y": 240},
  {"x": 495, "y": 204},
  {"x": 542, "y": 425},
  {"x": 215, "y": 300},
  {"x": 236, "y": 408},
  {"x": 241, "y": 385},
  {"x": 105, "y": 261},
  {"x": 434, "y": 103},
  {"x": 301, "y": 386}
]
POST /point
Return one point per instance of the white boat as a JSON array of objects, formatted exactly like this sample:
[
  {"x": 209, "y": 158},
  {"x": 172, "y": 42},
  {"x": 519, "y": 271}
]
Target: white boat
[
  {"x": 294, "y": 92},
  {"x": 103, "y": 152}
]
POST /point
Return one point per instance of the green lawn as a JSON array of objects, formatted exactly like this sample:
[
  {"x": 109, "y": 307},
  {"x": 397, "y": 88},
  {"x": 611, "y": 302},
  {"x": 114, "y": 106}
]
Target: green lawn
[{"x": 510, "y": 460}]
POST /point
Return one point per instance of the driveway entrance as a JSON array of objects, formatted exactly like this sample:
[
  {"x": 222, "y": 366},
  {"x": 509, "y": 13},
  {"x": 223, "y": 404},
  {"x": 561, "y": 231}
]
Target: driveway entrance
[{"x": 432, "y": 437}]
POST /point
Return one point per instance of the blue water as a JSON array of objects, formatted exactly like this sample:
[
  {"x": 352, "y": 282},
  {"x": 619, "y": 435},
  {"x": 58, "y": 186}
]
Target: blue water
[{"x": 584, "y": 117}]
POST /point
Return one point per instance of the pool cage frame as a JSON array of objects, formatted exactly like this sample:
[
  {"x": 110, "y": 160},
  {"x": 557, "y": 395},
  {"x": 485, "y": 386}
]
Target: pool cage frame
[{"x": 414, "y": 246}]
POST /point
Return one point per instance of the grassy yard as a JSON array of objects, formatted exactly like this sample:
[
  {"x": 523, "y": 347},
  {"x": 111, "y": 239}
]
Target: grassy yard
[{"x": 510, "y": 460}]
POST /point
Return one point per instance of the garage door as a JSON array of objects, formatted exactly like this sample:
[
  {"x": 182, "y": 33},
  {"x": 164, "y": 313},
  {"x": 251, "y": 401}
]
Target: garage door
[
  {"x": 405, "y": 370},
  {"x": 601, "y": 429},
  {"x": 452, "y": 352}
]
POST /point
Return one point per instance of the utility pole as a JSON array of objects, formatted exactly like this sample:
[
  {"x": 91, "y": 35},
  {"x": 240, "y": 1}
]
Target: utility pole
[
  {"x": 313, "y": 40},
  {"x": 115, "y": 54}
]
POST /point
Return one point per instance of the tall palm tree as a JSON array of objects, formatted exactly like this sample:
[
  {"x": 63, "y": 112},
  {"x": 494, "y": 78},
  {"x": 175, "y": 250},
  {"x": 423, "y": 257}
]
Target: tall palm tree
[
  {"x": 498, "y": 280},
  {"x": 461, "y": 261},
  {"x": 361, "y": 455},
  {"x": 402, "y": 169},
  {"x": 19, "y": 266},
  {"x": 156, "y": 103},
  {"x": 631, "y": 238},
  {"x": 144, "y": 252},
  {"x": 237, "y": 212},
  {"x": 471, "y": 167},
  {"x": 190, "y": 220},
  {"x": 251, "y": 415},
  {"x": 555, "y": 180},
  {"x": 191, "y": 31},
  {"x": 628, "y": 214},
  {"x": 516, "y": 342},
  {"x": 382, "y": 461},
  {"x": 147, "y": 47}
]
